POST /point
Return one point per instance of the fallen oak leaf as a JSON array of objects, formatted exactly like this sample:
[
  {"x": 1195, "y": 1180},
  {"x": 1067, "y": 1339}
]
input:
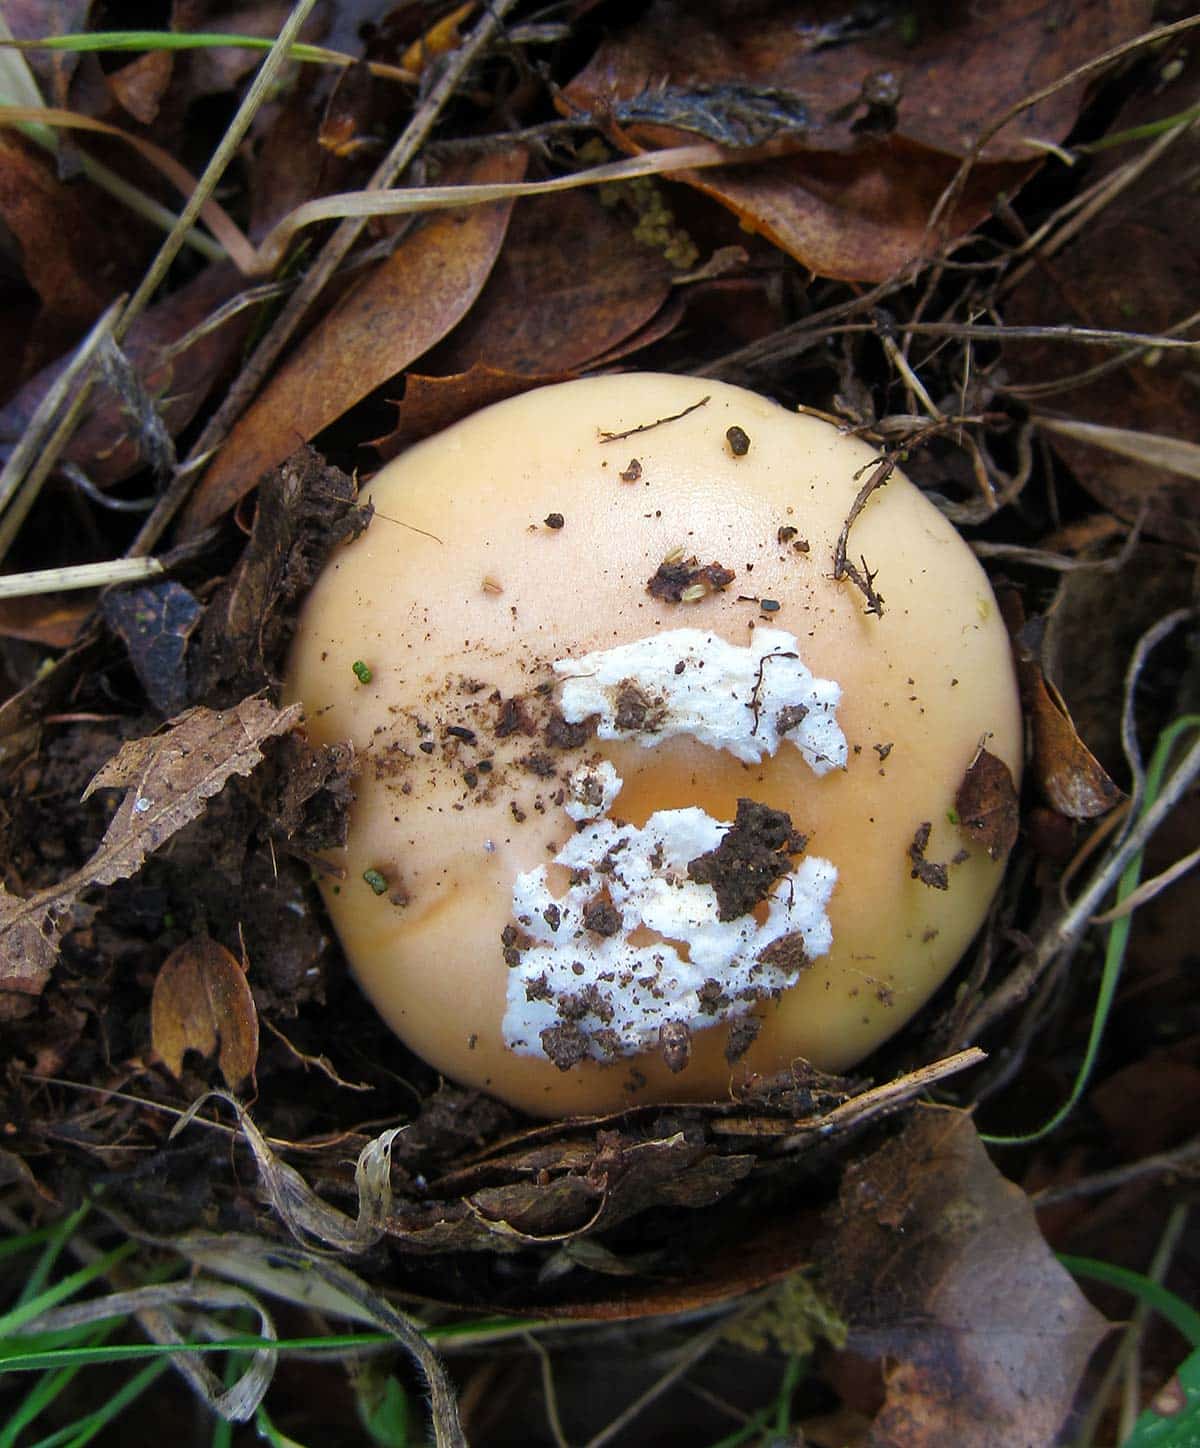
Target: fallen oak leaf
[
  {"x": 201, "y": 998},
  {"x": 170, "y": 778},
  {"x": 936, "y": 1263}
]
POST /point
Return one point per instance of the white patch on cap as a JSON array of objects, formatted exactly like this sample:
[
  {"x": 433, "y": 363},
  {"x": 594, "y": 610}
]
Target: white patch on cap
[
  {"x": 746, "y": 699},
  {"x": 614, "y": 995},
  {"x": 591, "y": 790}
]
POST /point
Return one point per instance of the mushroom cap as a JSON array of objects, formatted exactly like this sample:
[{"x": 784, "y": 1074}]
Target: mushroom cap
[{"x": 464, "y": 593}]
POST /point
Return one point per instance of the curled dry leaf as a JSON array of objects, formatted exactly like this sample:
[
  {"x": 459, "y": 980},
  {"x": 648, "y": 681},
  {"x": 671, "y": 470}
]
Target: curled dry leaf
[
  {"x": 202, "y": 999},
  {"x": 168, "y": 777},
  {"x": 987, "y": 807},
  {"x": 936, "y": 1263},
  {"x": 1068, "y": 773}
]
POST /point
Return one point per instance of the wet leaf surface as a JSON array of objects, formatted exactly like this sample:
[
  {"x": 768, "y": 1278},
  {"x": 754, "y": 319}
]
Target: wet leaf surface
[
  {"x": 202, "y": 1001},
  {"x": 936, "y": 1263}
]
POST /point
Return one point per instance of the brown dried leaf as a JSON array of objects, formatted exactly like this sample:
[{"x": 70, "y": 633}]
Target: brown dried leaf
[
  {"x": 856, "y": 202},
  {"x": 50, "y": 619},
  {"x": 571, "y": 283},
  {"x": 202, "y": 998},
  {"x": 987, "y": 805},
  {"x": 398, "y": 312},
  {"x": 432, "y": 404},
  {"x": 172, "y": 775},
  {"x": 66, "y": 256},
  {"x": 140, "y": 84},
  {"x": 1134, "y": 267},
  {"x": 1068, "y": 773},
  {"x": 27, "y": 952},
  {"x": 936, "y": 1262}
]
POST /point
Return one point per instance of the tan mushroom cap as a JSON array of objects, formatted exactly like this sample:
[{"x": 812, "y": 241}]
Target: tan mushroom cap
[{"x": 459, "y": 598}]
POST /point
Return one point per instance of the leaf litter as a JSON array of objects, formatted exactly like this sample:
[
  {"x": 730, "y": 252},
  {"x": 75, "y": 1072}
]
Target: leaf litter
[{"x": 840, "y": 150}]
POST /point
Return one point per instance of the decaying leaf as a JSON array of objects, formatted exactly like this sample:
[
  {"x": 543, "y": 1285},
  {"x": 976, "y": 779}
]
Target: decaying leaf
[
  {"x": 1068, "y": 773},
  {"x": 155, "y": 624},
  {"x": 202, "y": 998},
  {"x": 987, "y": 806},
  {"x": 105, "y": 445},
  {"x": 877, "y": 137},
  {"x": 936, "y": 1264},
  {"x": 305, "y": 508},
  {"x": 169, "y": 777},
  {"x": 399, "y": 311}
]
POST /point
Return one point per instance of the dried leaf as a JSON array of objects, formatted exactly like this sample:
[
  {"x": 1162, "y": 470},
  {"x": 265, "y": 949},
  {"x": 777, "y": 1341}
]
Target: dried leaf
[
  {"x": 853, "y": 193},
  {"x": 172, "y": 775},
  {"x": 202, "y": 998},
  {"x": 67, "y": 257},
  {"x": 572, "y": 282},
  {"x": 936, "y": 1263},
  {"x": 140, "y": 84},
  {"x": 1069, "y": 775},
  {"x": 398, "y": 312},
  {"x": 432, "y": 404},
  {"x": 27, "y": 951},
  {"x": 1151, "y": 449},
  {"x": 50, "y": 619},
  {"x": 987, "y": 806}
]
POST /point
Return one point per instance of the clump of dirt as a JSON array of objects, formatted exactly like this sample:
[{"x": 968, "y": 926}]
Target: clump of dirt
[{"x": 751, "y": 857}]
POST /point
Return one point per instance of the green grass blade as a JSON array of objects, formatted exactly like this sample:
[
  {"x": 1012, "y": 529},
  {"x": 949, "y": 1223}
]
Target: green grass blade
[
  {"x": 58, "y": 1239},
  {"x": 83, "y": 1430},
  {"x": 43, "y": 1393},
  {"x": 17, "y": 1317},
  {"x": 1177, "y": 1312}
]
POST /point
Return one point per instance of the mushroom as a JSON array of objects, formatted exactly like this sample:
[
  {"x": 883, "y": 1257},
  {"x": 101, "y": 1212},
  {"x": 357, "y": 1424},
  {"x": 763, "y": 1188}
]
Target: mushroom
[{"x": 650, "y": 801}]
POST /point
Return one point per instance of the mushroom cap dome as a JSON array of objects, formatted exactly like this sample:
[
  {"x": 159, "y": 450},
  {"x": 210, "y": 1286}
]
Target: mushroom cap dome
[{"x": 500, "y": 602}]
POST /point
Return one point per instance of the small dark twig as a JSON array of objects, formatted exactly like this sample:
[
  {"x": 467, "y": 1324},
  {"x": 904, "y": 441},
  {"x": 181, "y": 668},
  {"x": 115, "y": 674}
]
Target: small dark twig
[
  {"x": 646, "y": 426},
  {"x": 864, "y": 581}
]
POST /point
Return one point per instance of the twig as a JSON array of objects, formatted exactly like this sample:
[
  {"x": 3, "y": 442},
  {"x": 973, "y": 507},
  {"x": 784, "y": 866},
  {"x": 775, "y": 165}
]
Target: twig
[
  {"x": 864, "y": 1107},
  {"x": 646, "y": 426},
  {"x": 842, "y": 566},
  {"x": 330, "y": 259},
  {"x": 1181, "y": 1159},
  {"x": 549, "y": 1395},
  {"x": 81, "y": 575}
]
